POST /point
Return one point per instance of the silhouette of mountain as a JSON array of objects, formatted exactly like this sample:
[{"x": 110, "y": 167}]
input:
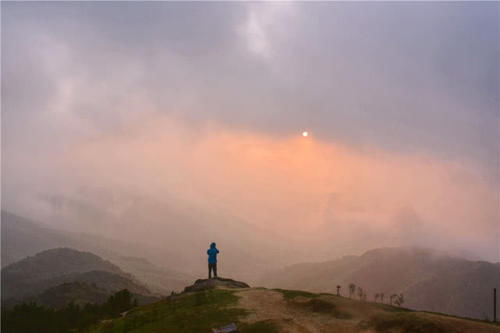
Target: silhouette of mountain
[
  {"x": 22, "y": 237},
  {"x": 33, "y": 276},
  {"x": 157, "y": 279},
  {"x": 204, "y": 284},
  {"x": 429, "y": 280}
]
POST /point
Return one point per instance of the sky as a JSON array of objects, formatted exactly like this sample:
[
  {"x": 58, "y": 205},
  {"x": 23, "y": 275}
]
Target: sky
[{"x": 177, "y": 124}]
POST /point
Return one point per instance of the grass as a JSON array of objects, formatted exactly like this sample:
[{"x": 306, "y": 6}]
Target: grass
[
  {"x": 322, "y": 306},
  {"x": 390, "y": 308},
  {"x": 201, "y": 311},
  {"x": 197, "y": 312},
  {"x": 484, "y": 321},
  {"x": 290, "y": 294},
  {"x": 405, "y": 322},
  {"x": 314, "y": 304}
]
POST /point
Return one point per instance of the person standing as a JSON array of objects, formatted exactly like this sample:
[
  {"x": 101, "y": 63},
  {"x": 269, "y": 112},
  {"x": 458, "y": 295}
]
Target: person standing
[{"x": 212, "y": 260}]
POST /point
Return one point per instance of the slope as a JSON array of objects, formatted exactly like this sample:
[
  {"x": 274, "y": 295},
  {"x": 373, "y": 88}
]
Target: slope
[
  {"x": 429, "y": 280},
  {"x": 33, "y": 276},
  {"x": 263, "y": 310}
]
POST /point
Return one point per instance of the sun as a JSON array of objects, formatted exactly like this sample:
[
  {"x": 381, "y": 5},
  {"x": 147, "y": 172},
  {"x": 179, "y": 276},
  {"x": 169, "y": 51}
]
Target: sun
[{"x": 305, "y": 133}]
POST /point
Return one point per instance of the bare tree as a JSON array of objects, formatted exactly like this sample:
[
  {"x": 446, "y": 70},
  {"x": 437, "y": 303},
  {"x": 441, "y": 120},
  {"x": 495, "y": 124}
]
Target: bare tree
[
  {"x": 400, "y": 299},
  {"x": 352, "y": 289},
  {"x": 360, "y": 292},
  {"x": 382, "y": 297}
]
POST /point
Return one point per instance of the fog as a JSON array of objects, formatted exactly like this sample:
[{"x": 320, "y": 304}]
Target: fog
[{"x": 178, "y": 124}]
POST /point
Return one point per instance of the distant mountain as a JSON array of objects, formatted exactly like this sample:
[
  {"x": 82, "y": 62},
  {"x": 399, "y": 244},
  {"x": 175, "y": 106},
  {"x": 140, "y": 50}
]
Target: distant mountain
[
  {"x": 429, "y": 280},
  {"x": 33, "y": 276},
  {"x": 162, "y": 231},
  {"x": 22, "y": 237},
  {"x": 160, "y": 280}
]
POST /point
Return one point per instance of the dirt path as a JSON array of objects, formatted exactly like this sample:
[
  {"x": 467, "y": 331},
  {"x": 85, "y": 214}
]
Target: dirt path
[
  {"x": 296, "y": 317},
  {"x": 270, "y": 305}
]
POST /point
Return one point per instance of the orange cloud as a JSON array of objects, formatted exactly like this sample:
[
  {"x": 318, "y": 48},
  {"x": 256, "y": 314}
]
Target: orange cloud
[{"x": 293, "y": 185}]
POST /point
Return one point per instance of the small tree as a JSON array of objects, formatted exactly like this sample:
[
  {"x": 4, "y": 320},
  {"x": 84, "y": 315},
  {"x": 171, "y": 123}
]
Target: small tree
[
  {"x": 352, "y": 289},
  {"x": 360, "y": 292},
  {"x": 393, "y": 296},
  {"x": 377, "y": 295},
  {"x": 119, "y": 302},
  {"x": 399, "y": 299},
  {"x": 338, "y": 290}
]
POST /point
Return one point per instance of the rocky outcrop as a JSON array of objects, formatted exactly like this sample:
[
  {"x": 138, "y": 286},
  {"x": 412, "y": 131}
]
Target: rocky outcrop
[{"x": 203, "y": 284}]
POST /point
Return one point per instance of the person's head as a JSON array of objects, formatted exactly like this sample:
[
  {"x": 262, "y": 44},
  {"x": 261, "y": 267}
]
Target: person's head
[{"x": 212, "y": 245}]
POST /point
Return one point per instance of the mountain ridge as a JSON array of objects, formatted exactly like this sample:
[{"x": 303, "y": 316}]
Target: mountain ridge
[
  {"x": 22, "y": 237},
  {"x": 31, "y": 277},
  {"x": 430, "y": 280}
]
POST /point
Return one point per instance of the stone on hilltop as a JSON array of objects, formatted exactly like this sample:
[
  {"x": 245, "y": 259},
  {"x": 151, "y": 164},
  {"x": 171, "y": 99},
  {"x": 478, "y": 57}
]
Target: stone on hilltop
[{"x": 203, "y": 284}]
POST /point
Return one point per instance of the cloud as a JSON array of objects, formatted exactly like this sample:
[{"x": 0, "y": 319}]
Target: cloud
[
  {"x": 203, "y": 102},
  {"x": 355, "y": 73},
  {"x": 264, "y": 22},
  {"x": 307, "y": 190}
]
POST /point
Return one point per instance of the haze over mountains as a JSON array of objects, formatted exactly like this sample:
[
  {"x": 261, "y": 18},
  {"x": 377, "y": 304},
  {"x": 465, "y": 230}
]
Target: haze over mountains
[
  {"x": 22, "y": 238},
  {"x": 166, "y": 236},
  {"x": 57, "y": 276},
  {"x": 429, "y": 280}
]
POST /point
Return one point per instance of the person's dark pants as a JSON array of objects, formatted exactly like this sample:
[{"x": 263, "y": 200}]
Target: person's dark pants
[{"x": 212, "y": 267}]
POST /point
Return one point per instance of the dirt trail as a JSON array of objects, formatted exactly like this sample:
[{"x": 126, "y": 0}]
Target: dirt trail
[
  {"x": 270, "y": 305},
  {"x": 294, "y": 316}
]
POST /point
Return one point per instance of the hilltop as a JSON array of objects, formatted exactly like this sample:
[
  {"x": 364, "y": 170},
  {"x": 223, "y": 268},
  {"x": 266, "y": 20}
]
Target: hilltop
[
  {"x": 265, "y": 310},
  {"x": 57, "y": 276},
  {"x": 429, "y": 280},
  {"x": 218, "y": 282}
]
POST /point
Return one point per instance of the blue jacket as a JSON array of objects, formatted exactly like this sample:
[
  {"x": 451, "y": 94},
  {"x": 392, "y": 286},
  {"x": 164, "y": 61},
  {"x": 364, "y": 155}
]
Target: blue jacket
[{"x": 212, "y": 254}]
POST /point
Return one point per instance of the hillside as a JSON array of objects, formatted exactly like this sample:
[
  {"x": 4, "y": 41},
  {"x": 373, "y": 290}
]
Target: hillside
[
  {"x": 33, "y": 276},
  {"x": 262, "y": 310},
  {"x": 22, "y": 237},
  {"x": 79, "y": 293},
  {"x": 429, "y": 280}
]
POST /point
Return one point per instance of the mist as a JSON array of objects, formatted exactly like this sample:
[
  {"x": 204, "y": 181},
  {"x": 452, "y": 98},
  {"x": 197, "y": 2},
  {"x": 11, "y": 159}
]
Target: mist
[{"x": 177, "y": 124}]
